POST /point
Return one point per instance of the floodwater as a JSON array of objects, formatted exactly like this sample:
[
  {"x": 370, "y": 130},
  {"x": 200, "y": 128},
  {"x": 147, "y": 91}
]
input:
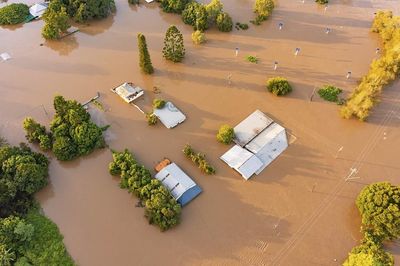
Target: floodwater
[{"x": 299, "y": 211}]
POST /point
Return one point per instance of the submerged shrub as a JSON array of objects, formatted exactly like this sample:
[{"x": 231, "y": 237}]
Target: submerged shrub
[
  {"x": 158, "y": 103},
  {"x": 263, "y": 9},
  {"x": 278, "y": 86},
  {"x": 198, "y": 37},
  {"x": 252, "y": 59},
  {"x": 199, "y": 159},
  {"x": 13, "y": 14},
  {"x": 322, "y": 2},
  {"x": 226, "y": 134},
  {"x": 151, "y": 119},
  {"x": 330, "y": 93},
  {"x": 224, "y": 22}
]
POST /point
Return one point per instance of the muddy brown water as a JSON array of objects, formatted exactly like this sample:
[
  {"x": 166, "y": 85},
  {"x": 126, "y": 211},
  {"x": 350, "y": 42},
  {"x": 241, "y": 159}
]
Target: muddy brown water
[{"x": 299, "y": 211}]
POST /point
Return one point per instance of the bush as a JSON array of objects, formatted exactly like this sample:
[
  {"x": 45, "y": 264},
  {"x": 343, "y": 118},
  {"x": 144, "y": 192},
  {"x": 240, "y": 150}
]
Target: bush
[
  {"x": 224, "y": 22},
  {"x": 199, "y": 160},
  {"x": 151, "y": 119},
  {"x": 174, "y": 49},
  {"x": 382, "y": 71},
  {"x": 56, "y": 20},
  {"x": 263, "y": 9},
  {"x": 174, "y": 6},
  {"x": 160, "y": 206},
  {"x": 278, "y": 86},
  {"x": 198, "y": 37},
  {"x": 195, "y": 14},
  {"x": 379, "y": 206},
  {"x": 158, "y": 103},
  {"x": 22, "y": 173},
  {"x": 241, "y": 26},
  {"x": 322, "y": 2},
  {"x": 252, "y": 59},
  {"x": 226, "y": 134},
  {"x": 330, "y": 93},
  {"x": 13, "y": 14},
  {"x": 72, "y": 133},
  {"x": 214, "y": 8},
  {"x": 144, "y": 56}
]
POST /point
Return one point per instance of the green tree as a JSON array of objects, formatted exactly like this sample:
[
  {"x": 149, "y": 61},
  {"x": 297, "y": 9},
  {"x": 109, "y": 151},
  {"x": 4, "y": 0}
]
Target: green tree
[
  {"x": 226, "y": 134},
  {"x": 379, "y": 206},
  {"x": 174, "y": 49},
  {"x": 174, "y": 6},
  {"x": 13, "y": 14},
  {"x": 56, "y": 20},
  {"x": 6, "y": 255},
  {"x": 322, "y": 2},
  {"x": 263, "y": 9},
  {"x": 214, "y": 8},
  {"x": 158, "y": 103},
  {"x": 83, "y": 10},
  {"x": 36, "y": 133},
  {"x": 195, "y": 14},
  {"x": 224, "y": 22},
  {"x": 15, "y": 234},
  {"x": 330, "y": 93},
  {"x": 144, "y": 56},
  {"x": 278, "y": 86}
]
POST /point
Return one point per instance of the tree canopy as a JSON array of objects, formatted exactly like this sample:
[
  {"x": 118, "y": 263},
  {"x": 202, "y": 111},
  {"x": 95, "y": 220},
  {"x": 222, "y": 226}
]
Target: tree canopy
[
  {"x": 83, "y": 10},
  {"x": 56, "y": 20},
  {"x": 225, "y": 134},
  {"x": 174, "y": 49},
  {"x": 161, "y": 207},
  {"x": 144, "y": 56},
  {"x": 279, "y": 86},
  {"x": 72, "y": 133},
  {"x": 174, "y": 6},
  {"x": 13, "y": 14},
  {"x": 263, "y": 9}
]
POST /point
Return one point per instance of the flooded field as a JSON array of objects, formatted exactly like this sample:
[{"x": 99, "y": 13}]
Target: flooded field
[{"x": 299, "y": 211}]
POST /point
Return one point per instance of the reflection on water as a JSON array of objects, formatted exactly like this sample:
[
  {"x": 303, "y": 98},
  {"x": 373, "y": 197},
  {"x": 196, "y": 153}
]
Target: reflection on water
[{"x": 65, "y": 46}]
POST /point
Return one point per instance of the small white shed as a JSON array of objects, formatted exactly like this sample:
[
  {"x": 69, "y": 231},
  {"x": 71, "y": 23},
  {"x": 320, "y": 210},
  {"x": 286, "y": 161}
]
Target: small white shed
[{"x": 37, "y": 10}]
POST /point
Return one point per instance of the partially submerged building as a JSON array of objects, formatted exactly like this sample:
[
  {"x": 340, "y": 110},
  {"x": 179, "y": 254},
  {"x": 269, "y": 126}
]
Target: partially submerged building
[
  {"x": 128, "y": 92},
  {"x": 181, "y": 186},
  {"x": 259, "y": 140},
  {"x": 36, "y": 11},
  {"x": 169, "y": 115}
]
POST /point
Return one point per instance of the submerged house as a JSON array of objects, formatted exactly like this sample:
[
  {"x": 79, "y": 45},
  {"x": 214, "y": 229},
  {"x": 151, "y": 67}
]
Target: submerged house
[
  {"x": 128, "y": 92},
  {"x": 169, "y": 115},
  {"x": 36, "y": 11},
  {"x": 181, "y": 186},
  {"x": 259, "y": 140}
]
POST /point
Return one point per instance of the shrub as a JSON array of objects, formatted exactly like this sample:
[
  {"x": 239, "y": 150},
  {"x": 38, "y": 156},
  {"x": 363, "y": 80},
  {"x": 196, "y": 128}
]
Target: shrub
[
  {"x": 224, "y": 22},
  {"x": 160, "y": 206},
  {"x": 158, "y": 103},
  {"x": 278, "y": 86},
  {"x": 151, "y": 119},
  {"x": 382, "y": 71},
  {"x": 226, "y": 134},
  {"x": 263, "y": 9},
  {"x": 174, "y": 49},
  {"x": 72, "y": 132},
  {"x": 241, "y": 26},
  {"x": 198, "y": 37},
  {"x": 252, "y": 59},
  {"x": 198, "y": 159},
  {"x": 56, "y": 20},
  {"x": 144, "y": 56},
  {"x": 13, "y": 14},
  {"x": 174, "y": 6},
  {"x": 369, "y": 253},
  {"x": 330, "y": 93},
  {"x": 322, "y": 2}
]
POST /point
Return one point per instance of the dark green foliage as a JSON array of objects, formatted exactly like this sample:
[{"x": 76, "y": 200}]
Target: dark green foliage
[
  {"x": 160, "y": 206},
  {"x": 330, "y": 93},
  {"x": 72, "y": 132},
  {"x": 382, "y": 71},
  {"x": 252, "y": 59},
  {"x": 263, "y": 9},
  {"x": 133, "y": 2},
  {"x": 198, "y": 159},
  {"x": 174, "y": 6},
  {"x": 83, "y": 10},
  {"x": 369, "y": 254},
  {"x": 158, "y": 103},
  {"x": 225, "y": 134},
  {"x": 56, "y": 20},
  {"x": 214, "y": 8},
  {"x": 189, "y": 15},
  {"x": 224, "y": 22},
  {"x": 151, "y": 119},
  {"x": 7, "y": 257},
  {"x": 278, "y": 86},
  {"x": 13, "y": 14},
  {"x": 22, "y": 173},
  {"x": 241, "y": 26},
  {"x": 174, "y": 49},
  {"x": 379, "y": 206},
  {"x": 3, "y": 141},
  {"x": 144, "y": 56},
  {"x": 322, "y": 2}
]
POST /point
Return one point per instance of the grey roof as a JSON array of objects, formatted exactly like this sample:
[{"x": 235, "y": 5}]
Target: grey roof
[{"x": 249, "y": 128}]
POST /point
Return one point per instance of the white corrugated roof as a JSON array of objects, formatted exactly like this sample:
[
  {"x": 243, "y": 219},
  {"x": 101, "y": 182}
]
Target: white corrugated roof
[
  {"x": 169, "y": 115},
  {"x": 128, "y": 92},
  {"x": 236, "y": 156},
  {"x": 264, "y": 138},
  {"x": 246, "y": 130},
  {"x": 37, "y": 10},
  {"x": 175, "y": 180},
  {"x": 250, "y": 167}
]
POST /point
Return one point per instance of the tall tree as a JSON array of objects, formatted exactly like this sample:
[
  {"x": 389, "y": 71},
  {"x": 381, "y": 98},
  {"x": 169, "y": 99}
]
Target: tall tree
[
  {"x": 214, "y": 8},
  {"x": 56, "y": 20},
  {"x": 144, "y": 56},
  {"x": 174, "y": 49}
]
